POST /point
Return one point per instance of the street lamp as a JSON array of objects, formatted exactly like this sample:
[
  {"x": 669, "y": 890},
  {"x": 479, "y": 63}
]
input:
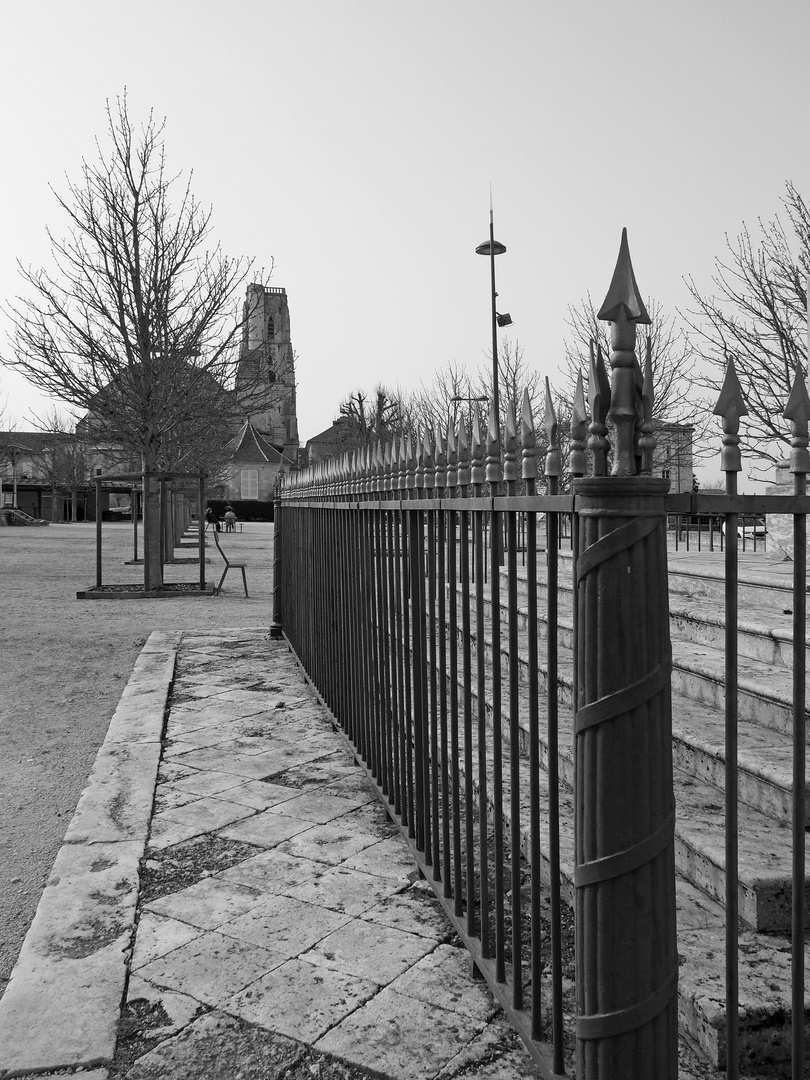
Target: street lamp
[
  {"x": 15, "y": 451},
  {"x": 493, "y": 247}
]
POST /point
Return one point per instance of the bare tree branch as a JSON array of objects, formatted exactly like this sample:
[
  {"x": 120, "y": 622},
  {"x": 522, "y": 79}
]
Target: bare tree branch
[{"x": 756, "y": 313}]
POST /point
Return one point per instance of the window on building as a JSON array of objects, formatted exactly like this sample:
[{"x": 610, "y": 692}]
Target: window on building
[
  {"x": 271, "y": 329},
  {"x": 250, "y": 483}
]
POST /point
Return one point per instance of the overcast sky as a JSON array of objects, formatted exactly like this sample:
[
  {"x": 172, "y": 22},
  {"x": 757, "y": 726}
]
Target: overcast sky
[{"x": 352, "y": 143}]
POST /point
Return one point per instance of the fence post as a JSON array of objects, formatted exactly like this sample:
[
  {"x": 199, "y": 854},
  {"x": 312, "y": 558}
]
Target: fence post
[
  {"x": 275, "y": 625},
  {"x": 627, "y": 962}
]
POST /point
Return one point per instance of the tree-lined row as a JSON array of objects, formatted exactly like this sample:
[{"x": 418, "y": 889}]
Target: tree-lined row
[{"x": 138, "y": 325}]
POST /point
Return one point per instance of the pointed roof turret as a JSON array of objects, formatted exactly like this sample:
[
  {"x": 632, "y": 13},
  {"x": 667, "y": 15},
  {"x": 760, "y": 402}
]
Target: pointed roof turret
[{"x": 251, "y": 445}]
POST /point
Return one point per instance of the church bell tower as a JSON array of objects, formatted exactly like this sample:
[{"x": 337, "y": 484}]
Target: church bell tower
[{"x": 265, "y": 380}]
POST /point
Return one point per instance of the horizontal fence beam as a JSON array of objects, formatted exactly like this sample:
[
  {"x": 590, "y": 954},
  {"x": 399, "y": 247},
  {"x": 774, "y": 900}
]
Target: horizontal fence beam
[
  {"x": 685, "y": 502},
  {"x": 690, "y": 502}
]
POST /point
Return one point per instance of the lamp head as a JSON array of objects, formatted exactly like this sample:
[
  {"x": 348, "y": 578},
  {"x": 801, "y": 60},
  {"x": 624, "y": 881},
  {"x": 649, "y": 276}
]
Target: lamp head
[
  {"x": 496, "y": 248},
  {"x": 504, "y": 320}
]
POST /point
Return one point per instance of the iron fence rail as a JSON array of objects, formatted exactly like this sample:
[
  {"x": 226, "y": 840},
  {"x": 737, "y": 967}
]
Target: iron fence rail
[
  {"x": 387, "y": 606},
  {"x": 395, "y": 598}
]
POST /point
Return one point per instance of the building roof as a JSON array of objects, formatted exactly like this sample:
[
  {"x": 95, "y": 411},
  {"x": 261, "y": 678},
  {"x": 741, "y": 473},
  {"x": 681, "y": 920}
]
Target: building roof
[
  {"x": 331, "y": 442},
  {"x": 37, "y": 442},
  {"x": 251, "y": 445}
]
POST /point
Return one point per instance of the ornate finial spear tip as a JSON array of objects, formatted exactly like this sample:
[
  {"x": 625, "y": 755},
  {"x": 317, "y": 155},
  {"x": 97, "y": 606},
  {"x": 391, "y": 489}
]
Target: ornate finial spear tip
[
  {"x": 798, "y": 403},
  {"x": 526, "y": 417},
  {"x": 731, "y": 396},
  {"x": 578, "y": 412},
  {"x": 493, "y": 426},
  {"x": 624, "y": 292}
]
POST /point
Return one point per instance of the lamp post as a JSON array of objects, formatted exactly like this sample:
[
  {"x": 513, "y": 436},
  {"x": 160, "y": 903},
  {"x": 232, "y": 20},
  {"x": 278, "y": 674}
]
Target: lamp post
[
  {"x": 493, "y": 247},
  {"x": 14, "y": 452}
]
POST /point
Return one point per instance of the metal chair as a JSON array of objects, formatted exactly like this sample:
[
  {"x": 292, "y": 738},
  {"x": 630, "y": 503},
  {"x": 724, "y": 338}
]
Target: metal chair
[{"x": 229, "y": 563}]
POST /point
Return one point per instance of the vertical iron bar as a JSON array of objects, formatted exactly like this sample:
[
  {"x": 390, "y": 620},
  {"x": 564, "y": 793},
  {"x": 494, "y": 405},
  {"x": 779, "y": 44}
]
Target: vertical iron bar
[
  {"x": 375, "y": 652},
  {"x": 731, "y": 795},
  {"x": 407, "y": 590},
  {"x": 466, "y": 646},
  {"x": 441, "y": 588},
  {"x": 98, "y": 534},
  {"x": 799, "y": 780},
  {"x": 163, "y": 553},
  {"x": 133, "y": 500},
  {"x": 552, "y": 557},
  {"x": 201, "y": 546},
  {"x": 433, "y": 762},
  {"x": 514, "y": 756},
  {"x": 496, "y": 559},
  {"x": 416, "y": 545},
  {"x": 452, "y": 561},
  {"x": 534, "y": 770},
  {"x": 394, "y": 650},
  {"x": 403, "y": 695},
  {"x": 481, "y": 691},
  {"x": 355, "y": 693}
]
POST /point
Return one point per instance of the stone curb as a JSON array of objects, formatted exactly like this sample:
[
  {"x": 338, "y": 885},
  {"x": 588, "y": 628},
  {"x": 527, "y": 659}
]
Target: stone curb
[{"x": 63, "y": 1002}]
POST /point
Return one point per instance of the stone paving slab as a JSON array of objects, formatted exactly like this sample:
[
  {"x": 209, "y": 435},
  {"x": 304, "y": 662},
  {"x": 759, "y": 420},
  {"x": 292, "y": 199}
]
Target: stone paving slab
[
  {"x": 281, "y": 917},
  {"x": 60, "y": 1006}
]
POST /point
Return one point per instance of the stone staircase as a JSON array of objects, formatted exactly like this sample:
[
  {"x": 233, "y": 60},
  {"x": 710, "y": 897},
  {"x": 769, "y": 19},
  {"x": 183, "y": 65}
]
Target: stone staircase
[{"x": 765, "y": 784}]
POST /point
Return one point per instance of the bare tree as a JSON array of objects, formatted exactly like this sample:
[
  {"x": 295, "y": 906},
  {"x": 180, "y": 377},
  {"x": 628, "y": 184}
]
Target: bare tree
[
  {"x": 65, "y": 466},
  {"x": 757, "y": 314},
  {"x": 445, "y": 401},
  {"x": 381, "y": 415},
  {"x": 515, "y": 377},
  {"x": 452, "y": 396},
  {"x": 138, "y": 322},
  {"x": 454, "y": 392}
]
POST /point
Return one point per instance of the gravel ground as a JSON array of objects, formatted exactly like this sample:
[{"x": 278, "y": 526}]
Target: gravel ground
[{"x": 64, "y": 664}]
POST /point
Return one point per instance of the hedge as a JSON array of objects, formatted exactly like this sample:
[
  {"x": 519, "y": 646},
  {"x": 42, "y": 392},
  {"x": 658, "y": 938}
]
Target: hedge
[{"x": 245, "y": 509}]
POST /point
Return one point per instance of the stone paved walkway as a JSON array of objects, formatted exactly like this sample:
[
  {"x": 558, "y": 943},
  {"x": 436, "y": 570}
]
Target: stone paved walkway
[{"x": 280, "y": 928}]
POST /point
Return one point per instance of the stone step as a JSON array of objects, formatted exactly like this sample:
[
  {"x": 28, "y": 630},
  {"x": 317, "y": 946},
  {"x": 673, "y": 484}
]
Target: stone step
[
  {"x": 763, "y": 672},
  {"x": 764, "y": 717},
  {"x": 764, "y": 960},
  {"x": 765, "y": 623},
  {"x": 765, "y": 853}
]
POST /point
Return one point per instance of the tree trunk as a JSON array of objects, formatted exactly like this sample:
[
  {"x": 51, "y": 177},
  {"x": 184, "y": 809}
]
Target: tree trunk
[{"x": 152, "y": 566}]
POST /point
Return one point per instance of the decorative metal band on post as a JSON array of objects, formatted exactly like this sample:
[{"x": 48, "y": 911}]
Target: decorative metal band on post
[{"x": 627, "y": 961}]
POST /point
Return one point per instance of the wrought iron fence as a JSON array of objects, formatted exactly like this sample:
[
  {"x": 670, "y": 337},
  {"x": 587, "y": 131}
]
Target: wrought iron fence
[{"x": 527, "y": 787}]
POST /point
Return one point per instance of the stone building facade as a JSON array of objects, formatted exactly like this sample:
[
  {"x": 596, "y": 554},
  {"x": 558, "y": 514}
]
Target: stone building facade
[{"x": 673, "y": 456}]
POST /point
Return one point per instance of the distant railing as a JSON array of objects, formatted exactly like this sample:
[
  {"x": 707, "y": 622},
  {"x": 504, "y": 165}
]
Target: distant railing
[{"x": 706, "y": 532}]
